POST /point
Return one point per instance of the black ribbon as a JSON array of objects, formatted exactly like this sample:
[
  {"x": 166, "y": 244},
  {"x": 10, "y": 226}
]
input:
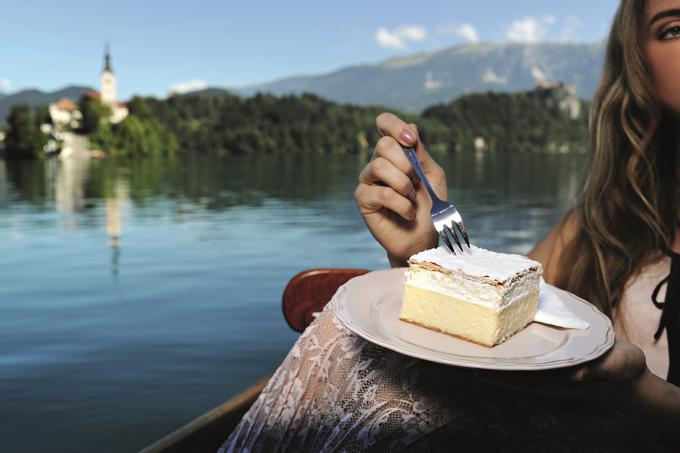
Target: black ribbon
[{"x": 670, "y": 317}]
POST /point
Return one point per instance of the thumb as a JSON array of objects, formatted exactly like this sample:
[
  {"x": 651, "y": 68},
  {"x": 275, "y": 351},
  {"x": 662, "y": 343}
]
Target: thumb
[{"x": 424, "y": 157}]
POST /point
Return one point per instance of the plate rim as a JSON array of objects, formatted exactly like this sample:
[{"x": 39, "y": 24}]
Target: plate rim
[{"x": 470, "y": 361}]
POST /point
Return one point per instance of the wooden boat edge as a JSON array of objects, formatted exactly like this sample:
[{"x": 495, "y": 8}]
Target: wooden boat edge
[{"x": 208, "y": 431}]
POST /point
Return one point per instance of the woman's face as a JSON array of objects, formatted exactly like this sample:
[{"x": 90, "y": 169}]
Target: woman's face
[{"x": 663, "y": 49}]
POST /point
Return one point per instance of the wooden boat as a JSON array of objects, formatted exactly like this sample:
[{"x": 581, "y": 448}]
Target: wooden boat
[{"x": 306, "y": 293}]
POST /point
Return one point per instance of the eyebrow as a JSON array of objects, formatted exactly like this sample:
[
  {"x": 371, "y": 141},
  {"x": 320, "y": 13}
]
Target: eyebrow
[{"x": 666, "y": 13}]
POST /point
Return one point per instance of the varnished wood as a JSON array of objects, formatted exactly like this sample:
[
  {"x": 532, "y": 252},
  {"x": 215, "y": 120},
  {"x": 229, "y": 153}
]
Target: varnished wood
[{"x": 309, "y": 291}]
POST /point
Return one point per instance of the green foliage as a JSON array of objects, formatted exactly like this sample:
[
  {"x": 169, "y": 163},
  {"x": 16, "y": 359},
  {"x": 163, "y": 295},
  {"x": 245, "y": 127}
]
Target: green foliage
[
  {"x": 94, "y": 113},
  {"x": 102, "y": 137},
  {"x": 139, "y": 134},
  {"x": 134, "y": 136},
  {"x": 529, "y": 121},
  {"x": 222, "y": 124},
  {"x": 138, "y": 107},
  {"x": 24, "y": 138},
  {"x": 228, "y": 124},
  {"x": 42, "y": 115}
]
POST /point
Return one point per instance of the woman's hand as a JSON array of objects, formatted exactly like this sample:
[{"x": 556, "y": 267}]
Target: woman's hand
[
  {"x": 619, "y": 380},
  {"x": 393, "y": 203},
  {"x": 617, "y": 374}
]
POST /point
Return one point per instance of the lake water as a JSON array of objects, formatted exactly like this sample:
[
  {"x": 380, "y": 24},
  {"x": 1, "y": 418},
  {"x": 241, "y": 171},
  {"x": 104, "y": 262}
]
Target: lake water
[{"x": 136, "y": 295}]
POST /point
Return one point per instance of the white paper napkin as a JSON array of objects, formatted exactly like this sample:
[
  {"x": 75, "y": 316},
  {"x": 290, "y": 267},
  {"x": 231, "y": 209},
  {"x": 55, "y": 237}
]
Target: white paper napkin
[{"x": 551, "y": 310}]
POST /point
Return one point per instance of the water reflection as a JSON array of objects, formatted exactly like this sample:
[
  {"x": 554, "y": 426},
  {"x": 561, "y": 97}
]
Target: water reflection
[
  {"x": 4, "y": 187},
  {"x": 508, "y": 200},
  {"x": 70, "y": 180},
  {"x": 497, "y": 193},
  {"x": 115, "y": 206},
  {"x": 488, "y": 179},
  {"x": 479, "y": 165}
]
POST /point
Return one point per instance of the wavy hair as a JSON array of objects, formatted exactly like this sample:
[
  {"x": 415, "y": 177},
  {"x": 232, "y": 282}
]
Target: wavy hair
[{"x": 627, "y": 208}]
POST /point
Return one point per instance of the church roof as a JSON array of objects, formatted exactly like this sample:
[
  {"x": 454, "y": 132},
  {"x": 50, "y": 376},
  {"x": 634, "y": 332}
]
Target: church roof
[
  {"x": 91, "y": 94},
  {"x": 66, "y": 104},
  {"x": 96, "y": 96}
]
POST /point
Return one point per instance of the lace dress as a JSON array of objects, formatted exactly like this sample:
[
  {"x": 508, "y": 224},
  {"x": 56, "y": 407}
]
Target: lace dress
[{"x": 336, "y": 392}]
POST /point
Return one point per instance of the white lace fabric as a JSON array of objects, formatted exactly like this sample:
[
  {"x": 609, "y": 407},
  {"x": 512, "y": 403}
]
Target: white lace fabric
[{"x": 336, "y": 392}]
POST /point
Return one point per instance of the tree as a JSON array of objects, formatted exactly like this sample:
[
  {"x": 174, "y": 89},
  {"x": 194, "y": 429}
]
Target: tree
[
  {"x": 138, "y": 107},
  {"x": 42, "y": 115},
  {"x": 103, "y": 137},
  {"x": 223, "y": 123},
  {"x": 24, "y": 138},
  {"x": 94, "y": 112},
  {"x": 136, "y": 136}
]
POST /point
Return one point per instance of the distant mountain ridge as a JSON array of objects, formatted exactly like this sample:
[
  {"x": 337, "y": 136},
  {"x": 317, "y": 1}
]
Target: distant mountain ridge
[
  {"x": 33, "y": 97},
  {"x": 415, "y": 82}
]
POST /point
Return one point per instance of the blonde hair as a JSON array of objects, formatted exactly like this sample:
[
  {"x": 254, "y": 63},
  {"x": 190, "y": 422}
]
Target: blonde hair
[{"x": 627, "y": 209}]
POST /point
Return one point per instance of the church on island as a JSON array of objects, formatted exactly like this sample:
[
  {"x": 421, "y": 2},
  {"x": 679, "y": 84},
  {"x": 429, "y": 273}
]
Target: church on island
[{"x": 65, "y": 112}]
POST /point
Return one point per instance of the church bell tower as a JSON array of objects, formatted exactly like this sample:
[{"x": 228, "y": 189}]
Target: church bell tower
[{"x": 108, "y": 81}]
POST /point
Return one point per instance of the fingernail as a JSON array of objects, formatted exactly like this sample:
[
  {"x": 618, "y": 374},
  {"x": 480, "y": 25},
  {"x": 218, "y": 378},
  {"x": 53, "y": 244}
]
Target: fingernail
[
  {"x": 412, "y": 195},
  {"x": 578, "y": 375},
  {"x": 407, "y": 137}
]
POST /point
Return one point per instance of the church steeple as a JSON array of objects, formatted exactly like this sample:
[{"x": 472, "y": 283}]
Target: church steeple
[
  {"x": 108, "y": 81},
  {"x": 107, "y": 59}
]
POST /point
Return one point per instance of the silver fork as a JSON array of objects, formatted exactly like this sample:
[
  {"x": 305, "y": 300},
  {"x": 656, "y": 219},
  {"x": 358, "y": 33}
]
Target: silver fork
[{"x": 442, "y": 213}]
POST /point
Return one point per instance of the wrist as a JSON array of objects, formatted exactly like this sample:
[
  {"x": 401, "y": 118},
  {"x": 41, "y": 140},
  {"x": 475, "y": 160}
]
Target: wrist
[
  {"x": 642, "y": 383},
  {"x": 628, "y": 397},
  {"x": 638, "y": 405},
  {"x": 396, "y": 261}
]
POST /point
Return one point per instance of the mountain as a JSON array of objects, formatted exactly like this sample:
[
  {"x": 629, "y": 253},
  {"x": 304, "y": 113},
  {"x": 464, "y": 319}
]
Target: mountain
[
  {"x": 415, "y": 82},
  {"x": 36, "y": 97}
]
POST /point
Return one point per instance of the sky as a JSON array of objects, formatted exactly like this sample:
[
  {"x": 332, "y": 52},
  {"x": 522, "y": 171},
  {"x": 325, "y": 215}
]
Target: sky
[{"x": 163, "y": 46}]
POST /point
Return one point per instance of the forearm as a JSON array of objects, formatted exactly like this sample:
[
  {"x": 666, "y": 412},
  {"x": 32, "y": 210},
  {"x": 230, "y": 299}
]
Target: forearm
[{"x": 654, "y": 405}]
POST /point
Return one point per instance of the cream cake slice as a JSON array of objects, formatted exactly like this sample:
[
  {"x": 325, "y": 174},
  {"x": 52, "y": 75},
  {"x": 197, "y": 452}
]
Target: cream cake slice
[{"x": 478, "y": 295}]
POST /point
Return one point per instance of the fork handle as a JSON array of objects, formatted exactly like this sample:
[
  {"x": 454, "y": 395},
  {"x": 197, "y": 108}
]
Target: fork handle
[{"x": 411, "y": 154}]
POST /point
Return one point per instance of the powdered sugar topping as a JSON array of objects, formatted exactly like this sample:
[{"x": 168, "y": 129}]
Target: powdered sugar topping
[{"x": 477, "y": 262}]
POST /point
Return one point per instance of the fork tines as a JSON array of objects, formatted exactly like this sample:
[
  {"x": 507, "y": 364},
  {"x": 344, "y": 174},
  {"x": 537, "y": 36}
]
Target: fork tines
[{"x": 449, "y": 235}]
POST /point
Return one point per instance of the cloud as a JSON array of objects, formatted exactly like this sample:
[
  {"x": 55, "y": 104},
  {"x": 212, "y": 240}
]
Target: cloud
[
  {"x": 5, "y": 85},
  {"x": 464, "y": 31},
  {"x": 187, "y": 87},
  {"x": 467, "y": 32},
  {"x": 529, "y": 29},
  {"x": 413, "y": 33},
  {"x": 387, "y": 39},
  {"x": 397, "y": 39},
  {"x": 570, "y": 29}
]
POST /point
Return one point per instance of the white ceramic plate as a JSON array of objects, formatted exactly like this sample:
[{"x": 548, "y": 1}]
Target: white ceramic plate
[{"x": 371, "y": 304}]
